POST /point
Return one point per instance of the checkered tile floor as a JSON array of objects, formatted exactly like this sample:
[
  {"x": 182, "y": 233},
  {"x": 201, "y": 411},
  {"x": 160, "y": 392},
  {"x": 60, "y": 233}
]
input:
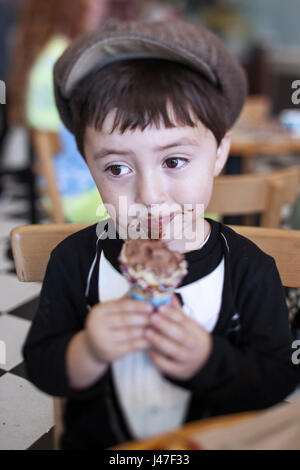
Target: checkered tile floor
[{"x": 26, "y": 414}]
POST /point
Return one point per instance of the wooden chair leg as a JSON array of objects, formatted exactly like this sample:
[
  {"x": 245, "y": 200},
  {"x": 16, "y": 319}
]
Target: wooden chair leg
[{"x": 58, "y": 404}]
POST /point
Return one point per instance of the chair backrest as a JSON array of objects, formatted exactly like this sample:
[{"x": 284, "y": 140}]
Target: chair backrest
[
  {"x": 46, "y": 144},
  {"x": 32, "y": 244},
  {"x": 257, "y": 193}
]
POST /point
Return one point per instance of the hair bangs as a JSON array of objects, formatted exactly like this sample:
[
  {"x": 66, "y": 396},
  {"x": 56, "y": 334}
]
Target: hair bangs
[
  {"x": 169, "y": 114},
  {"x": 140, "y": 93}
]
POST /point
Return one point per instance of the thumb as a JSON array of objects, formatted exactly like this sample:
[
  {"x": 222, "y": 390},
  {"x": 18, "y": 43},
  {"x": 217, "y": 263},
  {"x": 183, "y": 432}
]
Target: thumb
[
  {"x": 175, "y": 302},
  {"x": 126, "y": 295}
]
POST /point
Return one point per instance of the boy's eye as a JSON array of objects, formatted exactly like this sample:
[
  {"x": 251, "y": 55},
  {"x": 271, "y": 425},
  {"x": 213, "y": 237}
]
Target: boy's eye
[
  {"x": 175, "y": 162},
  {"x": 118, "y": 170}
]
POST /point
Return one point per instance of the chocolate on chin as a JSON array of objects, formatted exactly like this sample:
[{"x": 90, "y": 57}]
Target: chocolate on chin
[{"x": 152, "y": 269}]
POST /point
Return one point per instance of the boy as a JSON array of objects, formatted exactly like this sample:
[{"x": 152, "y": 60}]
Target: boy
[{"x": 151, "y": 106}]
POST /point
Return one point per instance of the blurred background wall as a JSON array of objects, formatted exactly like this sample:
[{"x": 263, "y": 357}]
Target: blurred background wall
[{"x": 274, "y": 21}]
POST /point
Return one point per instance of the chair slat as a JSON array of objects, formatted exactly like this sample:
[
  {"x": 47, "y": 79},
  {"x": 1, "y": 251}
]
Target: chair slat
[
  {"x": 282, "y": 245},
  {"x": 264, "y": 194},
  {"x": 32, "y": 245},
  {"x": 46, "y": 145}
]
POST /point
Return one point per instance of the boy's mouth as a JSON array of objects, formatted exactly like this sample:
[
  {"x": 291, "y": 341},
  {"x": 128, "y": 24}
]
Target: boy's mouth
[
  {"x": 154, "y": 226},
  {"x": 160, "y": 221}
]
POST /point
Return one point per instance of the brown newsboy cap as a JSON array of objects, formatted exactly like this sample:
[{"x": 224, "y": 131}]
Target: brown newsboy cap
[{"x": 181, "y": 41}]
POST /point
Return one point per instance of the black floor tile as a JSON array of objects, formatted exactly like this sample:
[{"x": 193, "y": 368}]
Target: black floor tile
[
  {"x": 2, "y": 372},
  {"x": 12, "y": 270},
  {"x": 27, "y": 310},
  {"x": 45, "y": 442},
  {"x": 19, "y": 196},
  {"x": 25, "y": 216},
  {"x": 19, "y": 370}
]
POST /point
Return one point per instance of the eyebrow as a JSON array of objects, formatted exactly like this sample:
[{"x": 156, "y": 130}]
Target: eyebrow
[{"x": 104, "y": 152}]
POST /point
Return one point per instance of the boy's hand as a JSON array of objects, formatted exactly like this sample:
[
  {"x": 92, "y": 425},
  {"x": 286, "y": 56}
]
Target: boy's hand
[
  {"x": 182, "y": 346},
  {"x": 116, "y": 328}
]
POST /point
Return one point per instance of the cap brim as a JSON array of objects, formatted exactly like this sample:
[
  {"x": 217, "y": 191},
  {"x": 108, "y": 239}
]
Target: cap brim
[{"x": 114, "y": 49}]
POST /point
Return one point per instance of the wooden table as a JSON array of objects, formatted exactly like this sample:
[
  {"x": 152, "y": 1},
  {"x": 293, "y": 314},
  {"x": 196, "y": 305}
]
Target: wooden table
[
  {"x": 251, "y": 142},
  {"x": 258, "y": 133},
  {"x": 181, "y": 439},
  {"x": 274, "y": 428}
]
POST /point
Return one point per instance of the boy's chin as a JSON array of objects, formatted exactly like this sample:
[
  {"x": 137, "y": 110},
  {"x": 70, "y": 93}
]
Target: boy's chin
[
  {"x": 152, "y": 232},
  {"x": 184, "y": 246}
]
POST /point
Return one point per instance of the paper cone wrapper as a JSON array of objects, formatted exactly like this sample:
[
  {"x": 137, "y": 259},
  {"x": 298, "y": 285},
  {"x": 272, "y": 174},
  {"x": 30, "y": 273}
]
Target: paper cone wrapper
[{"x": 155, "y": 301}]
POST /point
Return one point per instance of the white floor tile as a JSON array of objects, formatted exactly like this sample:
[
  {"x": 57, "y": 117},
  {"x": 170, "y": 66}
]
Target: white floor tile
[
  {"x": 10, "y": 206},
  {"x": 13, "y": 331},
  {"x": 15, "y": 154},
  {"x": 16, "y": 292},
  {"x": 294, "y": 396},
  {"x": 7, "y": 225},
  {"x": 25, "y": 413}
]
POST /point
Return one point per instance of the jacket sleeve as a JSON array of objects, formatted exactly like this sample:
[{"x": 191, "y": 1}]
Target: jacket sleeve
[
  {"x": 259, "y": 372},
  {"x": 60, "y": 315}
]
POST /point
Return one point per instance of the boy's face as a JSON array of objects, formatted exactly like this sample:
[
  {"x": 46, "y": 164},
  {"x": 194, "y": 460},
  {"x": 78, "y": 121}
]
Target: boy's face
[{"x": 160, "y": 169}]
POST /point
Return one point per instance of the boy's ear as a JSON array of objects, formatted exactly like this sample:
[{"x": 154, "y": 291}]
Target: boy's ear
[{"x": 222, "y": 153}]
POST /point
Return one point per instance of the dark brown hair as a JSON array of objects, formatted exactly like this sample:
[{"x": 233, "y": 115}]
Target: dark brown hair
[{"x": 140, "y": 90}]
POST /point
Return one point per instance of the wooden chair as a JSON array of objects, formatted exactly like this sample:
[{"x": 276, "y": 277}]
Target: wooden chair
[
  {"x": 32, "y": 245},
  {"x": 263, "y": 193},
  {"x": 46, "y": 144}
]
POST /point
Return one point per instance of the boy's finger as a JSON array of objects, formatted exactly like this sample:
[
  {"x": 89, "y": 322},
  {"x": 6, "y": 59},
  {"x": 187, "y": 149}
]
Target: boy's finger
[
  {"x": 190, "y": 325},
  {"x": 126, "y": 296},
  {"x": 175, "y": 302},
  {"x": 165, "y": 364},
  {"x": 175, "y": 314},
  {"x": 126, "y": 319},
  {"x": 127, "y": 334},
  {"x": 137, "y": 344},
  {"x": 166, "y": 345},
  {"x": 169, "y": 328},
  {"x": 127, "y": 305}
]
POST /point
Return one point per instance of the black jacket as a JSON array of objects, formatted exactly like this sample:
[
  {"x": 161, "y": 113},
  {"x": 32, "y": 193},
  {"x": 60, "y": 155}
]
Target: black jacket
[{"x": 250, "y": 365}]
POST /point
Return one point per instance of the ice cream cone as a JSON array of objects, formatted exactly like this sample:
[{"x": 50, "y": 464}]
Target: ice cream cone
[{"x": 152, "y": 269}]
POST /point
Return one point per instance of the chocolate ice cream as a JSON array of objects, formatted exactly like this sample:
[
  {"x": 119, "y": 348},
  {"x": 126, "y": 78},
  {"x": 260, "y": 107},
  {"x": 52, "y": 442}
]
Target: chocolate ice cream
[
  {"x": 154, "y": 256},
  {"x": 152, "y": 269}
]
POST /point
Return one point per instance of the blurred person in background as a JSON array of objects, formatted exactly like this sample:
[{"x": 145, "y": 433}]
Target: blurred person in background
[
  {"x": 45, "y": 29},
  {"x": 147, "y": 10},
  {"x": 7, "y": 15},
  {"x": 159, "y": 10}
]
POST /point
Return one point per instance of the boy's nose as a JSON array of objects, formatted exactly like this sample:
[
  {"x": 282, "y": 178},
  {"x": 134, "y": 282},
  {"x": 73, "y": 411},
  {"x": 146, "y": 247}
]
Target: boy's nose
[{"x": 150, "y": 190}]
